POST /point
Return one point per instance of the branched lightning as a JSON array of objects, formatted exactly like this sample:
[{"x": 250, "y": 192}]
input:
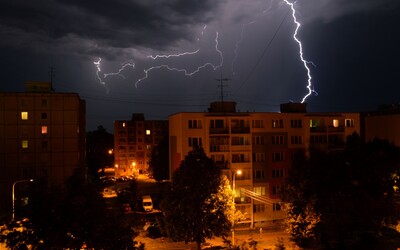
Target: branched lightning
[
  {"x": 305, "y": 62},
  {"x": 186, "y": 72},
  {"x": 118, "y": 73},
  {"x": 173, "y": 55}
]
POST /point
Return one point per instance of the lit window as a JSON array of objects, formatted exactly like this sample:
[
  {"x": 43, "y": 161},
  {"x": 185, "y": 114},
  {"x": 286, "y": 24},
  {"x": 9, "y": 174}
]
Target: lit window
[
  {"x": 44, "y": 130},
  {"x": 147, "y": 131},
  {"x": 335, "y": 123},
  {"x": 24, "y": 143},
  {"x": 24, "y": 115},
  {"x": 123, "y": 124}
]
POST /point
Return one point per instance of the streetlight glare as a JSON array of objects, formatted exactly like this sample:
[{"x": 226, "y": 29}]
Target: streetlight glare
[{"x": 239, "y": 172}]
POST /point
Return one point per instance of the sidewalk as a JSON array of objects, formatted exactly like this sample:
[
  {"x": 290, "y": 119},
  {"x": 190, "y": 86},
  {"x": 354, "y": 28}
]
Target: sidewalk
[{"x": 267, "y": 240}]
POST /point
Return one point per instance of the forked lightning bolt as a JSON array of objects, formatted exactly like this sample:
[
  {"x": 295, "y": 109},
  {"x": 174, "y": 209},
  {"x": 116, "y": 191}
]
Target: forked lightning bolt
[
  {"x": 305, "y": 62},
  {"x": 97, "y": 63},
  {"x": 186, "y": 72}
]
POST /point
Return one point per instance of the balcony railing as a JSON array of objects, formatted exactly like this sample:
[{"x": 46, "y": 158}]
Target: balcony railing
[
  {"x": 219, "y": 131},
  {"x": 219, "y": 148},
  {"x": 240, "y": 130}
]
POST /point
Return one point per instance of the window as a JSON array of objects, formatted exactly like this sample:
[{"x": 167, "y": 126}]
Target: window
[
  {"x": 277, "y": 139},
  {"x": 349, "y": 123},
  {"x": 276, "y": 189},
  {"x": 277, "y": 156},
  {"x": 258, "y": 123},
  {"x": 258, "y": 157},
  {"x": 194, "y": 123},
  {"x": 24, "y": 144},
  {"x": 258, "y": 140},
  {"x": 44, "y": 102},
  {"x": 148, "y": 147},
  {"x": 259, "y": 208},
  {"x": 276, "y": 207},
  {"x": 195, "y": 141},
  {"x": 297, "y": 123},
  {"x": 259, "y": 190},
  {"x": 44, "y": 144},
  {"x": 296, "y": 139},
  {"x": 258, "y": 174},
  {"x": 240, "y": 140},
  {"x": 44, "y": 130},
  {"x": 278, "y": 173},
  {"x": 277, "y": 123},
  {"x": 148, "y": 132},
  {"x": 24, "y": 115},
  {"x": 217, "y": 124},
  {"x": 335, "y": 123},
  {"x": 44, "y": 116}
]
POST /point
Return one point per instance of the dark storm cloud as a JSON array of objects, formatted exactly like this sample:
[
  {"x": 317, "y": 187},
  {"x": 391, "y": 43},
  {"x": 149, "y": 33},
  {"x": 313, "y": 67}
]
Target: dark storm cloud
[{"x": 117, "y": 24}]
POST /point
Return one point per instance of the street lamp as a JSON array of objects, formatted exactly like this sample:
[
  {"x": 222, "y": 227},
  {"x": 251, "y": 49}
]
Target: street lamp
[
  {"x": 13, "y": 196},
  {"x": 238, "y": 172}
]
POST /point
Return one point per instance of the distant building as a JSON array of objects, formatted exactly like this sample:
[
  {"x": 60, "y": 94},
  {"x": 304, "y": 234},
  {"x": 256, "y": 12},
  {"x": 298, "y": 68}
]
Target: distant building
[
  {"x": 259, "y": 144},
  {"x": 42, "y": 136},
  {"x": 383, "y": 123},
  {"x": 133, "y": 142}
]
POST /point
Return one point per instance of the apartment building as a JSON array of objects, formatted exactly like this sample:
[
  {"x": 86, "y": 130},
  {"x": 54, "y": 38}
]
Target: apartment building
[
  {"x": 259, "y": 144},
  {"x": 384, "y": 123},
  {"x": 42, "y": 137},
  {"x": 133, "y": 143}
]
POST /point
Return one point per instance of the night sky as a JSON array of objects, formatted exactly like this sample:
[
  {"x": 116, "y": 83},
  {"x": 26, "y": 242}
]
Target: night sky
[{"x": 353, "y": 44}]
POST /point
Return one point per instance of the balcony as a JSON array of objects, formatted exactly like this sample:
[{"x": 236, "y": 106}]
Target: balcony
[
  {"x": 219, "y": 148},
  {"x": 325, "y": 129},
  {"x": 219, "y": 131},
  {"x": 240, "y": 130}
]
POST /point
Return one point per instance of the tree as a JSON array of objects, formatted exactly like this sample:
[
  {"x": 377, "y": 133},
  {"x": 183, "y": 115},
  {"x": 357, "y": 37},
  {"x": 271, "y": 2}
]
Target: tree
[
  {"x": 341, "y": 199},
  {"x": 159, "y": 163},
  {"x": 70, "y": 217},
  {"x": 194, "y": 206},
  {"x": 98, "y": 144}
]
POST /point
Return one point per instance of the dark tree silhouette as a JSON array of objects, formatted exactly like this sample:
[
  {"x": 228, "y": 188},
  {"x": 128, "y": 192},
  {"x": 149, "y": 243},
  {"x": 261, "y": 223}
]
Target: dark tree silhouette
[
  {"x": 159, "y": 164},
  {"x": 341, "y": 199},
  {"x": 70, "y": 217},
  {"x": 194, "y": 209},
  {"x": 98, "y": 144}
]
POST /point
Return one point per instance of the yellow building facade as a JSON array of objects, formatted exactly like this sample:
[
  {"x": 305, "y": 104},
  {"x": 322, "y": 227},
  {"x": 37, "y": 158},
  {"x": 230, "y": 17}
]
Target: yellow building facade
[{"x": 259, "y": 144}]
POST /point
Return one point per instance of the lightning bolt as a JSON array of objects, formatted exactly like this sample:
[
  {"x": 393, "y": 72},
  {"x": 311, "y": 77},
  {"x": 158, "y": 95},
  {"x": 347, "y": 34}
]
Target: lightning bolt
[
  {"x": 118, "y": 73},
  {"x": 237, "y": 46},
  {"x": 241, "y": 35},
  {"x": 173, "y": 55},
  {"x": 186, "y": 72},
  {"x": 305, "y": 62},
  {"x": 98, "y": 74}
]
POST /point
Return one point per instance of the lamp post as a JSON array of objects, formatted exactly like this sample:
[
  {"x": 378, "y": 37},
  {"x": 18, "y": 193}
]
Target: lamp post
[
  {"x": 238, "y": 172},
  {"x": 13, "y": 195}
]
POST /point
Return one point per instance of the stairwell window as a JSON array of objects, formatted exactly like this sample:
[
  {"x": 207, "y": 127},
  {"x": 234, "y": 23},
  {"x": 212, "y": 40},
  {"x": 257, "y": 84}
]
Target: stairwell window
[{"x": 24, "y": 115}]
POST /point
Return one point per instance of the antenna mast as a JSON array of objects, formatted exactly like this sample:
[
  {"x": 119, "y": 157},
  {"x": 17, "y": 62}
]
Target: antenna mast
[{"x": 221, "y": 86}]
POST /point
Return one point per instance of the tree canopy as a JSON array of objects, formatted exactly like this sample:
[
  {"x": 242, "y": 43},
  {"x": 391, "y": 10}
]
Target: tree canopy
[
  {"x": 195, "y": 206},
  {"x": 159, "y": 163},
  {"x": 341, "y": 199}
]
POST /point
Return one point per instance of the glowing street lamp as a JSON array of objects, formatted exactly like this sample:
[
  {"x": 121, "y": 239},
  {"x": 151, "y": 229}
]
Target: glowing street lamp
[
  {"x": 13, "y": 195},
  {"x": 238, "y": 172}
]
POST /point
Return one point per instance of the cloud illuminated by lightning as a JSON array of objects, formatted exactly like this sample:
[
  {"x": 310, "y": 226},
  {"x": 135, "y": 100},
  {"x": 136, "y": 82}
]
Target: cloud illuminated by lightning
[
  {"x": 186, "y": 72},
  {"x": 305, "y": 62}
]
